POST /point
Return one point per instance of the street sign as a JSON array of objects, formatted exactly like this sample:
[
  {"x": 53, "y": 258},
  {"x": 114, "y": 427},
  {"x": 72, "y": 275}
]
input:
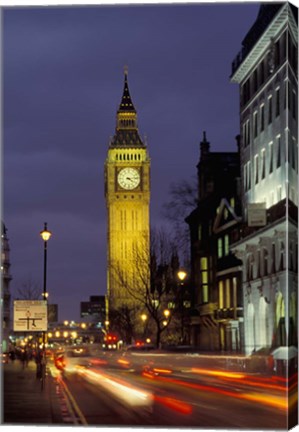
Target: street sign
[{"x": 30, "y": 315}]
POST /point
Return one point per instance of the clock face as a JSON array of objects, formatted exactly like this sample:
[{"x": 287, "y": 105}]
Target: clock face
[{"x": 128, "y": 178}]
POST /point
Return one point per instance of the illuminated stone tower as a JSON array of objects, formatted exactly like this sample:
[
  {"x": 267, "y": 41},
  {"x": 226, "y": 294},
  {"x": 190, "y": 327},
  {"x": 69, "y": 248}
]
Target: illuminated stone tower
[{"x": 127, "y": 193}]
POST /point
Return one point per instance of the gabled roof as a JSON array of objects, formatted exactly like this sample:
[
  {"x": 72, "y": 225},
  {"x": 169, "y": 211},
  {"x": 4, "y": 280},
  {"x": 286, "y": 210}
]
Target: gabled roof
[
  {"x": 127, "y": 138},
  {"x": 226, "y": 217}
]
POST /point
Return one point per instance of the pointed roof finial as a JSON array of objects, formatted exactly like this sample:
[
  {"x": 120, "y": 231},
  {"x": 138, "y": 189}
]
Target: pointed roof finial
[
  {"x": 204, "y": 136},
  {"x": 126, "y": 70}
]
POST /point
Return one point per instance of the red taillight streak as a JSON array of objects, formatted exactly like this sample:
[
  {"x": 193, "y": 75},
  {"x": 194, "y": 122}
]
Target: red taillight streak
[
  {"x": 174, "y": 404},
  {"x": 254, "y": 383},
  {"x": 219, "y": 391}
]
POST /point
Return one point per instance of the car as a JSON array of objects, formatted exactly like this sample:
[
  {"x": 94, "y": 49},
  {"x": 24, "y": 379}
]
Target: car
[
  {"x": 141, "y": 347},
  {"x": 73, "y": 358}
]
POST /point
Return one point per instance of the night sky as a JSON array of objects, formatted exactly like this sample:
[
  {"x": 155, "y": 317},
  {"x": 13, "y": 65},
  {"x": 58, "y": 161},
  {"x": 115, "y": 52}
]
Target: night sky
[{"x": 63, "y": 74}]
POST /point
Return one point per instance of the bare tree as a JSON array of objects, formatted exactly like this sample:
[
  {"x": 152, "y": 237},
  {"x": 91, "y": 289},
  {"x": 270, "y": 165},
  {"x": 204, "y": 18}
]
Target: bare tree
[
  {"x": 152, "y": 286},
  {"x": 183, "y": 199},
  {"x": 29, "y": 290}
]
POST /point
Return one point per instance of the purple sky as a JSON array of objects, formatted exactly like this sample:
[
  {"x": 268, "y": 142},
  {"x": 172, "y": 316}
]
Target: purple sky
[{"x": 62, "y": 85}]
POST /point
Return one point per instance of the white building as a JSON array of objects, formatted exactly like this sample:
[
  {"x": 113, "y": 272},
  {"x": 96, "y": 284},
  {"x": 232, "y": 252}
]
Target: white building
[{"x": 266, "y": 71}]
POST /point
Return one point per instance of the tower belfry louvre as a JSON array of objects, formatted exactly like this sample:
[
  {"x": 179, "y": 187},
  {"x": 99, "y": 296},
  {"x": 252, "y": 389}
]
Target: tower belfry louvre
[{"x": 127, "y": 193}]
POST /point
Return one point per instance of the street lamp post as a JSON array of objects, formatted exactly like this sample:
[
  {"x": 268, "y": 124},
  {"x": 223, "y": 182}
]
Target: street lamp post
[
  {"x": 144, "y": 318},
  {"x": 45, "y": 234},
  {"x": 182, "y": 276}
]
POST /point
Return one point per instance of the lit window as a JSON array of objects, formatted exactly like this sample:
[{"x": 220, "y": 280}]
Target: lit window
[
  {"x": 220, "y": 248},
  {"x": 227, "y": 293},
  {"x": 204, "y": 263},
  {"x": 226, "y": 244},
  {"x": 232, "y": 202},
  {"x": 205, "y": 294},
  {"x": 204, "y": 277},
  {"x": 220, "y": 294}
]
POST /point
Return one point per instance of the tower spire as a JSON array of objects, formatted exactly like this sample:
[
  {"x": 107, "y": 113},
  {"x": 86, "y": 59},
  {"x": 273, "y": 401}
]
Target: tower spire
[
  {"x": 126, "y": 133},
  {"x": 126, "y": 103}
]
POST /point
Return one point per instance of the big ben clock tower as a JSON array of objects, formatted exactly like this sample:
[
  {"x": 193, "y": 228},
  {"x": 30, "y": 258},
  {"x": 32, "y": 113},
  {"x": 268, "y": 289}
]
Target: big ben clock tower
[{"x": 127, "y": 193}]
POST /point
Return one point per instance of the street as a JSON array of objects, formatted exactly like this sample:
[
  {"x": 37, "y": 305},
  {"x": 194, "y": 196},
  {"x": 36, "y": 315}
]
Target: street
[{"x": 140, "y": 389}]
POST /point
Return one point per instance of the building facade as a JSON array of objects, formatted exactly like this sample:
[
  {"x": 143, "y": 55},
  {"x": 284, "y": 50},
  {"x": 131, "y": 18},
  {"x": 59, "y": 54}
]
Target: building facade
[
  {"x": 217, "y": 315},
  {"x": 267, "y": 74},
  {"x": 5, "y": 292},
  {"x": 127, "y": 192}
]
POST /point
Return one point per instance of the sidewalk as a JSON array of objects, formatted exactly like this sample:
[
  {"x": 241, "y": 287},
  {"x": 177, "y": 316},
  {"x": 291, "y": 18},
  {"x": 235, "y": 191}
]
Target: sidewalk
[{"x": 23, "y": 401}]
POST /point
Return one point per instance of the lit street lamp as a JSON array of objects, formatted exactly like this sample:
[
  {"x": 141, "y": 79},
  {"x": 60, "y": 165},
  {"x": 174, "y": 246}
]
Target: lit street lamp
[
  {"x": 182, "y": 276},
  {"x": 166, "y": 313},
  {"x": 45, "y": 234}
]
